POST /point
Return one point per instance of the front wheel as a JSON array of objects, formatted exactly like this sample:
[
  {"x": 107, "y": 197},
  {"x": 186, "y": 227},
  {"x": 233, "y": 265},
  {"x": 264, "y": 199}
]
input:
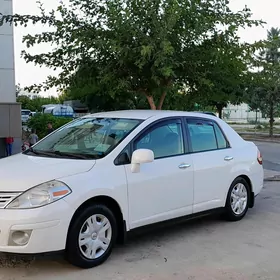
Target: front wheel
[
  {"x": 91, "y": 237},
  {"x": 238, "y": 197}
]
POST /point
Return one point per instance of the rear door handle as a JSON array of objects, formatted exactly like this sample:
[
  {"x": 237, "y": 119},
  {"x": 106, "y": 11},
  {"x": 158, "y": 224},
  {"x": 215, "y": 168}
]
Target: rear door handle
[
  {"x": 228, "y": 158},
  {"x": 184, "y": 166}
]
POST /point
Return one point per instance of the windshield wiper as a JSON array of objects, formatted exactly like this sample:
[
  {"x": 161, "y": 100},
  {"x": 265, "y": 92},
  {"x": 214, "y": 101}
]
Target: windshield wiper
[
  {"x": 39, "y": 153},
  {"x": 72, "y": 155},
  {"x": 55, "y": 153}
]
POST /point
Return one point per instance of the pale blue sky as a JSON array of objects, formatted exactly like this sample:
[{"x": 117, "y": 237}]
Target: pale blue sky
[{"x": 27, "y": 74}]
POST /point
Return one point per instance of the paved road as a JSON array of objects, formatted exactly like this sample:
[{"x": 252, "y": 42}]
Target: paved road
[
  {"x": 271, "y": 155},
  {"x": 205, "y": 249}
]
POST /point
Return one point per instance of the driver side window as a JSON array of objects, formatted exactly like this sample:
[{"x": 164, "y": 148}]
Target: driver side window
[{"x": 165, "y": 140}]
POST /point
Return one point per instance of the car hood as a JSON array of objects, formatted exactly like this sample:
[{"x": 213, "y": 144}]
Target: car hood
[{"x": 21, "y": 172}]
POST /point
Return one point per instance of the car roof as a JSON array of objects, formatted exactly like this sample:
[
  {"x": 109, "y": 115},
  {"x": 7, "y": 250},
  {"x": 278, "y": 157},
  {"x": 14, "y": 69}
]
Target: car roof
[
  {"x": 234, "y": 138},
  {"x": 146, "y": 114}
]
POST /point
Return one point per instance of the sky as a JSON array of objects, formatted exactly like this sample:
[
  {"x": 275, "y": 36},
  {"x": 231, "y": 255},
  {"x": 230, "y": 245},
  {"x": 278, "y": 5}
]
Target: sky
[{"x": 27, "y": 74}]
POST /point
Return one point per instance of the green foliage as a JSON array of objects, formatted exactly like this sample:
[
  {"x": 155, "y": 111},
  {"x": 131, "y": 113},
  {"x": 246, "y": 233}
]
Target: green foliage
[
  {"x": 264, "y": 93},
  {"x": 146, "y": 47},
  {"x": 227, "y": 74},
  {"x": 255, "y": 98},
  {"x": 35, "y": 105},
  {"x": 18, "y": 89},
  {"x": 85, "y": 88},
  {"x": 39, "y": 123}
]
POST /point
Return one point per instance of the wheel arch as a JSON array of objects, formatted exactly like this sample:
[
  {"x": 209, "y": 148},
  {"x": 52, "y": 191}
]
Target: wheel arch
[{"x": 113, "y": 205}]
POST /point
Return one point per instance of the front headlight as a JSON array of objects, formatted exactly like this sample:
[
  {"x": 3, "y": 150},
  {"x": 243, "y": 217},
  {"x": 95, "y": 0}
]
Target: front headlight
[{"x": 40, "y": 195}]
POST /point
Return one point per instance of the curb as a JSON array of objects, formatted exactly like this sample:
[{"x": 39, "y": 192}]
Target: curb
[
  {"x": 268, "y": 140},
  {"x": 275, "y": 178}
]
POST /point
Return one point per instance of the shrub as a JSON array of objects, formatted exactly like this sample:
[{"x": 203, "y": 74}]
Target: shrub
[{"x": 39, "y": 123}]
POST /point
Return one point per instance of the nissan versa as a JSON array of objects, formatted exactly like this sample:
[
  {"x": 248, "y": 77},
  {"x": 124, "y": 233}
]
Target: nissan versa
[{"x": 100, "y": 176}]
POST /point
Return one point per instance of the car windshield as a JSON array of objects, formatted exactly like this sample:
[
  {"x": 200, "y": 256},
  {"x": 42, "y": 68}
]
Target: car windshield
[
  {"x": 25, "y": 113},
  {"x": 86, "y": 138}
]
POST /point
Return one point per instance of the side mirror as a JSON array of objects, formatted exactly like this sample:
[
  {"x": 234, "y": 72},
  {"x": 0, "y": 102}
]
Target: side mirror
[{"x": 139, "y": 157}]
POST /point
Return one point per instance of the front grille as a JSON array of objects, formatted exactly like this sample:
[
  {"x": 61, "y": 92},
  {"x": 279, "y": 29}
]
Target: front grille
[{"x": 6, "y": 198}]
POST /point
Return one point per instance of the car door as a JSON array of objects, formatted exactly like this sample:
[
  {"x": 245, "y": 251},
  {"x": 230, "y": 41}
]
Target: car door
[
  {"x": 163, "y": 189},
  {"x": 212, "y": 160}
]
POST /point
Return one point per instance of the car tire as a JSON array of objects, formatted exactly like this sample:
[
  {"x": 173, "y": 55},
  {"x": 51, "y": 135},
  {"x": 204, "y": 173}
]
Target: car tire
[
  {"x": 238, "y": 200},
  {"x": 91, "y": 237}
]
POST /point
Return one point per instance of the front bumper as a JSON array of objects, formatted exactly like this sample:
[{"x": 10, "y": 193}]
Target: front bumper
[{"x": 47, "y": 227}]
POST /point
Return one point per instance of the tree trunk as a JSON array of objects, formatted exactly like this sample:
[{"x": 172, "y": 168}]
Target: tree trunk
[
  {"x": 271, "y": 119},
  {"x": 220, "y": 110},
  {"x": 161, "y": 101},
  {"x": 256, "y": 121},
  {"x": 151, "y": 102}
]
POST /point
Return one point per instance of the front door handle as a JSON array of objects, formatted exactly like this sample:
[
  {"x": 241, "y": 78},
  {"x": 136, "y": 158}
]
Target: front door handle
[
  {"x": 228, "y": 158},
  {"x": 184, "y": 166}
]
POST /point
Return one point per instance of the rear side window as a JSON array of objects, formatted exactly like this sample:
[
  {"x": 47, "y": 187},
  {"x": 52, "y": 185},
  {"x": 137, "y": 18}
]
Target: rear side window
[
  {"x": 202, "y": 136},
  {"x": 221, "y": 140},
  {"x": 206, "y": 136}
]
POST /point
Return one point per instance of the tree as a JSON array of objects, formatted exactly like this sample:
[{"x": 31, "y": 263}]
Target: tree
[
  {"x": 35, "y": 105},
  {"x": 267, "y": 79},
  {"x": 254, "y": 99},
  {"x": 25, "y": 102},
  {"x": 226, "y": 73},
  {"x": 138, "y": 47},
  {"x": 39, "y": 123},
  {"x": 85, "y": 87},
  {"x": 255, "y": 94},
  {"x": 18, "y": 89}
]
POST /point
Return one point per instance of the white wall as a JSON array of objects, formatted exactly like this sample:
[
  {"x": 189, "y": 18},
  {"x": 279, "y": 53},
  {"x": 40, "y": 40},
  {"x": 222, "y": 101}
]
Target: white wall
[
  {"x": 240, "y": 113},
  {"x": 30, "y": 95},
  {"x": 7, "y": 71},
  {"x": 7, "y": 77}
]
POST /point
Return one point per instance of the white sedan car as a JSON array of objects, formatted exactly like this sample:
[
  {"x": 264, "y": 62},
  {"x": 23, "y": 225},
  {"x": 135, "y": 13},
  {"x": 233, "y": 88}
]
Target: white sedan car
[{"x": 83, "y": 187}]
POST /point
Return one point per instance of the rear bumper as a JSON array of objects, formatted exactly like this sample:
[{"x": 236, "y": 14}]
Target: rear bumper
[{"x": 257, "y": 180}]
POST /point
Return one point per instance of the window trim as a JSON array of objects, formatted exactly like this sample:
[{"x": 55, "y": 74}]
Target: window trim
[
  {"x": 187, "y": 120},
  {"x": 186, "y": 136},
  {"x": 157, "y": 125},
  {"x": 131, "y": 146},
  {"x": 219, "y": 127}
]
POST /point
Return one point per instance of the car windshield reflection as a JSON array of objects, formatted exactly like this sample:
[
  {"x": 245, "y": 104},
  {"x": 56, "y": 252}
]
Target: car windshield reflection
[{"x": 86, "y": 138}]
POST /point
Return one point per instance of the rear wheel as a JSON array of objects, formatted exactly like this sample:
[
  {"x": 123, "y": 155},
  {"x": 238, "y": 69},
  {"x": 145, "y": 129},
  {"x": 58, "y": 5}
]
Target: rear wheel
[
  {"x": 91, "y": 237},
  {"x": 238, "y": 199}
]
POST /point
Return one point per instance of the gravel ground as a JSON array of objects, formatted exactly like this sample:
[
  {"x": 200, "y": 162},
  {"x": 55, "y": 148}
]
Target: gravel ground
[{"x": 203, "y": 249}]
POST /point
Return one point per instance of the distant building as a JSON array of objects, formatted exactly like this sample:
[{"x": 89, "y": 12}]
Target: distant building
[
  {"x": 30, "y": 95},
  {"x": 241, "y": 113},
  {"x": 10, "y": 111}
]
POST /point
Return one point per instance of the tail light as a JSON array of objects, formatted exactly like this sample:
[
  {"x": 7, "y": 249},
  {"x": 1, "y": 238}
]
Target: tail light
[{"x": 260, "y": 159}]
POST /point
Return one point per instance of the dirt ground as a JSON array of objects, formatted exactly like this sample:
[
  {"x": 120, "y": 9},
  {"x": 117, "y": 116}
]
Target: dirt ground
[{"x": 204, "y": 249}]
